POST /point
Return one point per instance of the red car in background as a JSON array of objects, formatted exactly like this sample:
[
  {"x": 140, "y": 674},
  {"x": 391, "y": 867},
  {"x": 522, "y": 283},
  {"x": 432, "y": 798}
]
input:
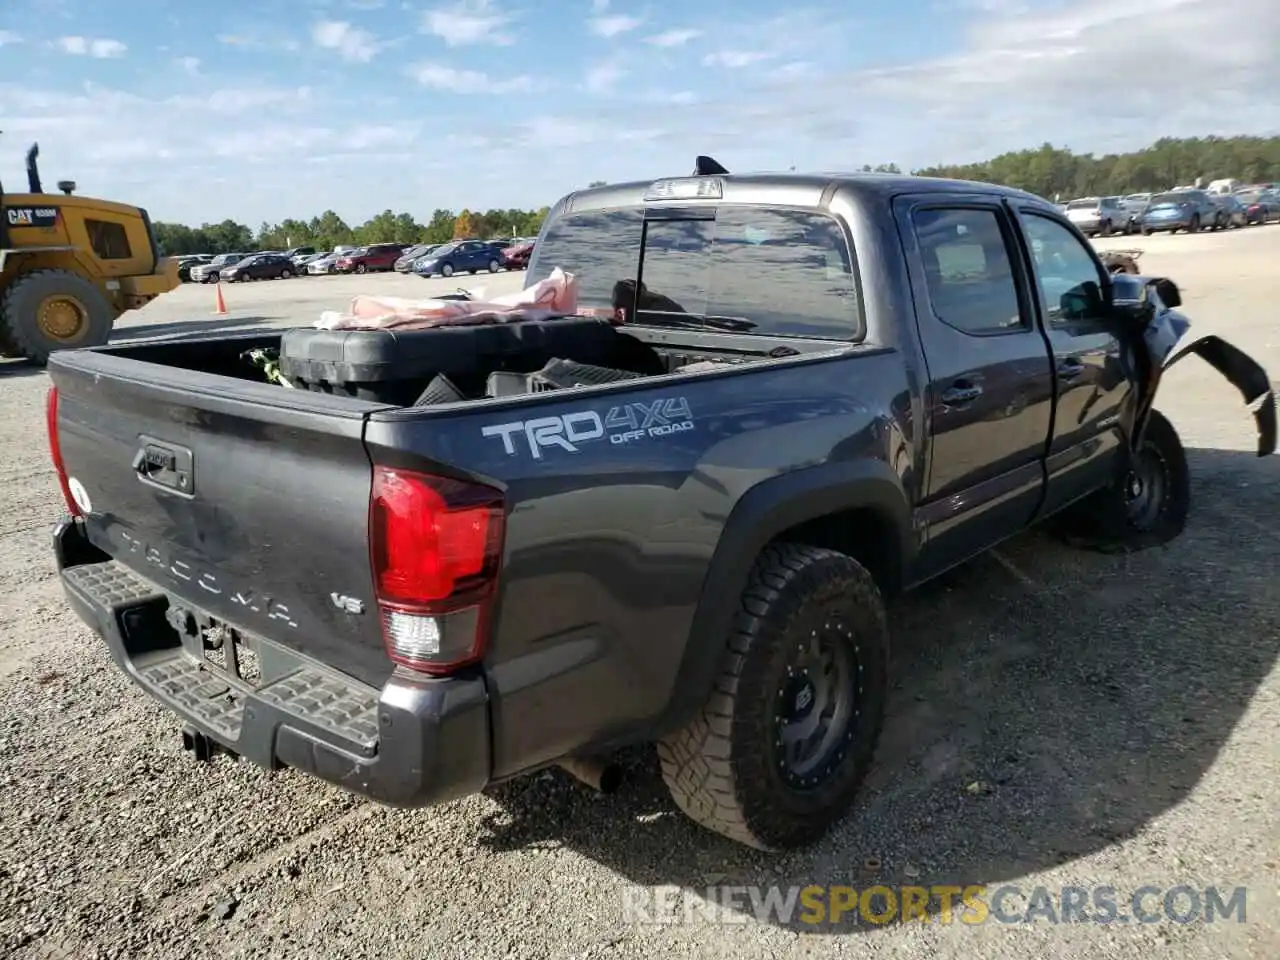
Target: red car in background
[
  {"x": 1262, "y": 206},
  {"x": 516, "y": 256},
  {"x": 376, "y": 256}
]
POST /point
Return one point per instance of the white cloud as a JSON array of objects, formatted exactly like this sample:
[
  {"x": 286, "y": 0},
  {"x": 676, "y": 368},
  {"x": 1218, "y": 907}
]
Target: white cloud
[
  {"x": 190, "y": 64},
  {"x": 673, "y": 38},
  {"x": 1011, "y": 80},
  {"x": 438, "y": 76},
  {"x": 350, "y": 43},
  {"x": 97, "y": 47},
  {"x": 259, "y": 43},
  {"x": 601, "y": 78},
  {"x": 468, "y": 23},
  {"x": 613, "y": 25},
  {"x": 7, "y": 36},
  {"x": 737, "y": 59}
]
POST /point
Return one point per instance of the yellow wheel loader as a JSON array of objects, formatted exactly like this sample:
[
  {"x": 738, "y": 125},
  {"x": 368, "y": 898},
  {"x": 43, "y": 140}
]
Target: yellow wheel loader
[{"x": 70, "y": 265}]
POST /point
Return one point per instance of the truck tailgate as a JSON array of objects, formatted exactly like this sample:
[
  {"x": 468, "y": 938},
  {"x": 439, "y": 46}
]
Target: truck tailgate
[{"x": 248, "y": 502}]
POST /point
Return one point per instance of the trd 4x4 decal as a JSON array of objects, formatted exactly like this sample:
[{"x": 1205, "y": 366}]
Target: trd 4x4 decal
[{"x": 623, "y": 424}]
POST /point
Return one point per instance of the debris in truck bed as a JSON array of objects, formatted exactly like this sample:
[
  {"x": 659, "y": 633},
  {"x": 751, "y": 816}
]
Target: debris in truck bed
[
  {"x": 554, "y": 296},
  {"x": 267, "y": 360}
]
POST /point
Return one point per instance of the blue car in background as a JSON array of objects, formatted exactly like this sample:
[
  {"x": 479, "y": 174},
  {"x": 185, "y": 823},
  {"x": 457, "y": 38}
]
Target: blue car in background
[
  {"x": 1187, "y": 210},
  {"x": 469, "y": 255}
]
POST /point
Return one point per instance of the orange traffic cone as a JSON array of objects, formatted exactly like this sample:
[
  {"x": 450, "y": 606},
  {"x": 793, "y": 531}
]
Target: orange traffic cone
[{"x": 221, "y": 305}]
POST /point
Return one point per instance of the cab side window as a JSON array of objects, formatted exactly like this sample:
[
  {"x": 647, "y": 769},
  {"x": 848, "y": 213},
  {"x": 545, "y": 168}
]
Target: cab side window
[
  {"x": 968, "y": 270},
  {"x": 1070, "y": 278},
  {"x": 108, "y": 239}
]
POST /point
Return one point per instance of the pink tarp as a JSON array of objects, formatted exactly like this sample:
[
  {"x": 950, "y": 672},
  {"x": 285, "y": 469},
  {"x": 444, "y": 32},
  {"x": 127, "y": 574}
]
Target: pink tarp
[{"x": 557, "y": 295}]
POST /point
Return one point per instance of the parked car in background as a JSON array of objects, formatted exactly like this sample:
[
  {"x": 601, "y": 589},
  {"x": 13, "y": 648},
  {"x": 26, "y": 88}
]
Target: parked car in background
[
  {"x": 325, "y": 263},
  {"x": 501, "y": 242},
  {"x": 516, "y": 256},
  {"x": 1133, "y": 205},
  {"x": 471, "y": 256},
  {"x": 293, "y": 253},
  {"x": 1187, "y": 210},
  {"x": 1231, "y": 209},
  {"x": 300, "y": 262},
  {"x": 405, "y": 263},
  {"x": 1097, "y": 215},
  {"x": 371, "y": 259},
  {"x": 259, "y": 266},
  {"x": 1261, "y": 206},
  {"x": 186, "y": 263},
  {"x": 210, "y": 272}
]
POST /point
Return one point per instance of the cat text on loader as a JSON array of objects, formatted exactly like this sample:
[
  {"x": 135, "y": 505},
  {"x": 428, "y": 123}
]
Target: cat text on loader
[{"x": 70, "y": 265}]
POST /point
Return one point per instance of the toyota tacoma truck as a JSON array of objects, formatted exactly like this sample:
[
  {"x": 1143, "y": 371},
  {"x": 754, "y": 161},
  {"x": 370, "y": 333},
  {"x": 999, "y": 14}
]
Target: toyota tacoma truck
[{"x": 420, "y": 562}]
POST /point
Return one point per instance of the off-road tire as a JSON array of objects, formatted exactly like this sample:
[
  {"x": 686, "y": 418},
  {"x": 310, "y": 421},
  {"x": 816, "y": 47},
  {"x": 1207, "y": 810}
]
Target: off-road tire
[
  {"x": 1104, "y": 521},
  {"x": 724, "y": 769},
  {"x": 19, "y": 329}
]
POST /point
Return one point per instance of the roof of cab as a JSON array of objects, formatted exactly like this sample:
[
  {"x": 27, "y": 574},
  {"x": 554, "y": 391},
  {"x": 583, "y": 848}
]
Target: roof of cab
[{"x": 799, "y": 189}]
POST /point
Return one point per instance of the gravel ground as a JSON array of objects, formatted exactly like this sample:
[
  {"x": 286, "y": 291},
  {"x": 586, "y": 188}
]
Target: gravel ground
[{"x": 1058, "y": 718}]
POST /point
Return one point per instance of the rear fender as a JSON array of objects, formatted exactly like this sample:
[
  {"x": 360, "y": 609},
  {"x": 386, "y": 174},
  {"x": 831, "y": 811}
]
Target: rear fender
[{"x": 761, "y": 515}]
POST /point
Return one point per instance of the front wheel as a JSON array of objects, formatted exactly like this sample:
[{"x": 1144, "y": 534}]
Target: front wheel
[
  {"x": 777, "y": 753},
  {"x": 361, "y": 268},
  {"x": 1146, "y": 507},
  {"x": 446, "y": 269}
]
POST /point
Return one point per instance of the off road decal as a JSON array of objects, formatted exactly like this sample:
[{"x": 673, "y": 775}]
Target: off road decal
[{"x": 622, "y": 424}]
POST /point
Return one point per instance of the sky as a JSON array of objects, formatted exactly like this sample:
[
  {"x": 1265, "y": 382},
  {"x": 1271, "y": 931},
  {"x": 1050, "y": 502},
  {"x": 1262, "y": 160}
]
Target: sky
[{"x": 264, "y": 109}]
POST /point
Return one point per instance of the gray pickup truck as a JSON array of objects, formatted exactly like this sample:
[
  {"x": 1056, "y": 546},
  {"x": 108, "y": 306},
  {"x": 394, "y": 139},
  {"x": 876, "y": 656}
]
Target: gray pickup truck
[{"x": 414, "y": 563}]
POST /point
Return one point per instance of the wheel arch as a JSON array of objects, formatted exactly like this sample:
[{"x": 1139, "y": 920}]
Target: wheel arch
[{"x": 857, "y": 507}]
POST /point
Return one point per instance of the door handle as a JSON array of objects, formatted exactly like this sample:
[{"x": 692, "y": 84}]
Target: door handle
[
  {"x": 960, "y": 393},
  {"x": 1070, "y": 369}
]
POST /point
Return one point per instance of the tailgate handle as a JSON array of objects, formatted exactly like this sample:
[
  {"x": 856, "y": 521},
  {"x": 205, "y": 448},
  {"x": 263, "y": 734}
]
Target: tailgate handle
[
  {"x": 152, "y": 457},
  {"x": 165, "y": 465}
]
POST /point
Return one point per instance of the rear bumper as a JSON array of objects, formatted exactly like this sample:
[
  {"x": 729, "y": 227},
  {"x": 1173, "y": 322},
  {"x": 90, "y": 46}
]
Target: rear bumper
[
  {"x": 1174, "y": 223},
  {"x": 415, "y": 742}
]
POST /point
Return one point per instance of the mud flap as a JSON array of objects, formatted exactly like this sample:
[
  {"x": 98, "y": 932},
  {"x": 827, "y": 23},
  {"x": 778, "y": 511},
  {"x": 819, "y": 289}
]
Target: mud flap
[{"x": 1242, "y": 372}]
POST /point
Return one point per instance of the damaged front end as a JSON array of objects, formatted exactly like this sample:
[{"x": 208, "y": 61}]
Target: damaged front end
[{"x": 1150, "y": 304}]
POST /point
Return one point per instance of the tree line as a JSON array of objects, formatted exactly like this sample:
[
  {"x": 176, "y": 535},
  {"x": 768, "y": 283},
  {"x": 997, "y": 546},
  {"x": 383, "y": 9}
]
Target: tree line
[
  {"x": 329, "y": 230},
  {"x": 1056, "y": 172},
  {"x": 1049, "y": 171}
]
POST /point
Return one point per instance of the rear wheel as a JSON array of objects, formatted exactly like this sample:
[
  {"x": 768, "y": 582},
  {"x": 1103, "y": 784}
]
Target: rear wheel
[
  {"x": 1147, "y": 507},
  {"x": 49, "y": 310},
  {"x": 494, "y": 266},
  {"x": 779, "y": 750}
]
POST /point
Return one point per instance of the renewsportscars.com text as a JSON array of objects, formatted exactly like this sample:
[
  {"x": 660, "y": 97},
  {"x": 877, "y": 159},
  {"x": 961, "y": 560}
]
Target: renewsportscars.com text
[{"x": 974, "y": 904}]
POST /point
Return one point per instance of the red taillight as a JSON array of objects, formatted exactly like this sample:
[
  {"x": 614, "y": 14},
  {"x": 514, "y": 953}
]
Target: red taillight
[
  {"x": 436, "y": 545},
  {"x": 55, "y": 451}
]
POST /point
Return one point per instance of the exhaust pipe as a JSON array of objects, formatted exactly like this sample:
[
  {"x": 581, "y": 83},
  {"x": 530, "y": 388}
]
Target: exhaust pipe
[{"x": 599, "y": 775}]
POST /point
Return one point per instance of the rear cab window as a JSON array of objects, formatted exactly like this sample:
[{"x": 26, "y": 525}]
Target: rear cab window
[{"x": 761, "y": 270}]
